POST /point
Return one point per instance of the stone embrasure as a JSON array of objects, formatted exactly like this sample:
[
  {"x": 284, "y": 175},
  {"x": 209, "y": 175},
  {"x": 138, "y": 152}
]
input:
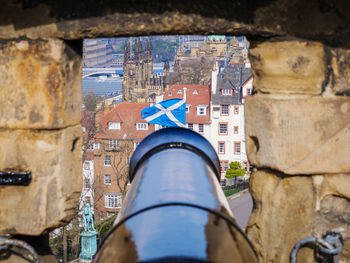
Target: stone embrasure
[
  {"x": 288, "y": 67},
  {"x": 40, "y": 85},
  {"x": 299, "y": 135},
  {"x": 54, "y": 158},
  {"x": 289, "y": 208}
]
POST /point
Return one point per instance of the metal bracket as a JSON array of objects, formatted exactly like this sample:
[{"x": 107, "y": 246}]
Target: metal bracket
[{"x": 15, "y": 178}]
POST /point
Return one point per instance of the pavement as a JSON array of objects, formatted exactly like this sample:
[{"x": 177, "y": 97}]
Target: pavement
[{"x": 241, "y": 205}]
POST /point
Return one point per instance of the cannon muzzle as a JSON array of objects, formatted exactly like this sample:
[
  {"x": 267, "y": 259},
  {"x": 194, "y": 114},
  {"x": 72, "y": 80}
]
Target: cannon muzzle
[{"x": 175, "y": 210}]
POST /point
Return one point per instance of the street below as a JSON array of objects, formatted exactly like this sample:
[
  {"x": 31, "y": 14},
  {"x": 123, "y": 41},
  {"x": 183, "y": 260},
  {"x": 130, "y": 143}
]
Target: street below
[{"x": 241, "y": 208}]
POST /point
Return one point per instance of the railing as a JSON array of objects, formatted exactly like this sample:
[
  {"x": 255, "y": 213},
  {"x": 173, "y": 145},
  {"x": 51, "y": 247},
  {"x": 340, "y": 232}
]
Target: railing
[{"x": 237, "y": 184}]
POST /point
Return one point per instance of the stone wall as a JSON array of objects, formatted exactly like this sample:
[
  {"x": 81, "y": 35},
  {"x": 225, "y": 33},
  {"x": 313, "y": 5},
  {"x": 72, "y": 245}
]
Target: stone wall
[
  {"x": 39, "y": 132},
  {"x": 298, "y": 138}
]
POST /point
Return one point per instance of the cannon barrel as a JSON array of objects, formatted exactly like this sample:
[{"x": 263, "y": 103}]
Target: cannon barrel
[{"x": 175, "y": 209}]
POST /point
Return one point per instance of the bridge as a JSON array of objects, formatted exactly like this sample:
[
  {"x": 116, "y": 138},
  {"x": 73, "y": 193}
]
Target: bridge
[
  {"x": 102, "y": 71},
  {"x": 87, "y": 72}
]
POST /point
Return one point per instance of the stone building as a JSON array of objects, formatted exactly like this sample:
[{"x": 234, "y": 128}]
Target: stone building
[
  {"x": 139, "y": 83},
  {"x": 230, "y": 85},
  {"x": 120, "y": 130}
]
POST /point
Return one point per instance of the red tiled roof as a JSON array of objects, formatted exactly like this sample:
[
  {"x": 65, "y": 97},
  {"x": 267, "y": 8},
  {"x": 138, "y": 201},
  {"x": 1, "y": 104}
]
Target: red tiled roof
[
  {"x": 127, "y": 114},
  {"x": 201, "y": 98}
]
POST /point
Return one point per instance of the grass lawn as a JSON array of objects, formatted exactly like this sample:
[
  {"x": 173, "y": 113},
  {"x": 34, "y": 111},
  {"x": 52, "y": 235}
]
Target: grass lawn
[{"x": 230, "y": 192}]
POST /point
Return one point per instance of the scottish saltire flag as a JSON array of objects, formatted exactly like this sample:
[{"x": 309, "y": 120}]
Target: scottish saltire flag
[{"x": 171, "y": 113}]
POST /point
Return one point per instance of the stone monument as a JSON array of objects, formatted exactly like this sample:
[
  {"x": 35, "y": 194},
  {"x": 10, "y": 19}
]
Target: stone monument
[{"x": 88, "y": 236}]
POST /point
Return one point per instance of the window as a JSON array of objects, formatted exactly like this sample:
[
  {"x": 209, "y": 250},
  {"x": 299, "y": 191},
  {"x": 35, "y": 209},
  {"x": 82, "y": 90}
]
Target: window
[
  {"x": 223, "y": 128},
  {"x": 107, "y": 160},
  {"x": 170, "y": 94},
  {"x": 195, "y": 92},
  {"x": 224, "y": 109},
  {"x": 224, "y": 166},
  {"x": 187, "y": 108},
  {"x": 113, "y": 200},
  {"x": 237, "y": 148},
  {"x": 114, "y": 144},
  {"x": 96, "y": 145},
  {"x": 190, "y": 126},
  {"x": 235, "y": 129},
  {"x": 201, "y": 110},
  {"x": 235, "y": 110},
  {"x": 101, "y": 215},
  {"x": 142, "y": 126},
  {"x": 108, "y": 179},
  {"x": 179, "y": 91},
  {"x": 86, "y": 183},
  {"x": 226, "y": 92},
  {"x": 222, "y": 76},
  {"x": 221, "y": 147},
  {"x": 200, "y": 127},
  {"x": 109, "y": 214},
  {"x": 131, "y": 72},
  {"x": 249, "y": 91},
  {"x": 114, "y": 125},
  {"x": 216, "y": 108}
]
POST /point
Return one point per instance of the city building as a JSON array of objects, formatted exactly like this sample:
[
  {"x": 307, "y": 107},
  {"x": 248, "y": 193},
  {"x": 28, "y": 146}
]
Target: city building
[
  {"x": 230, "y": 85},
  {"x": 97, "y": 53},
  {"x": 87, "y": 194},
  {"x": 197, "y": 105},
  {"x": 119, "y": 131},
  {"x": 139, "y": 83}
]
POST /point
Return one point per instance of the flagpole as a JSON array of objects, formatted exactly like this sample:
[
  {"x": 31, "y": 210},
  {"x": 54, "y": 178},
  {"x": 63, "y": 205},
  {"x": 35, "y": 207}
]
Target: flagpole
[{"x": 185, "y": 94}]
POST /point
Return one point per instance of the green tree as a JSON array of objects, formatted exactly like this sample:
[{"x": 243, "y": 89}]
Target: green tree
[{"x": 235, "y": 170}]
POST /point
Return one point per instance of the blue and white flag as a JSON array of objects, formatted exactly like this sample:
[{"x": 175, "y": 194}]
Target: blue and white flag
[{"x": 171, "y": 113}]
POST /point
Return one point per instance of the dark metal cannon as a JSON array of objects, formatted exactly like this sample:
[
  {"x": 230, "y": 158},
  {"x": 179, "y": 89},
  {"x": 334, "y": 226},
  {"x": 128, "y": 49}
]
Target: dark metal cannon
[{"x": 175, "y": 210}]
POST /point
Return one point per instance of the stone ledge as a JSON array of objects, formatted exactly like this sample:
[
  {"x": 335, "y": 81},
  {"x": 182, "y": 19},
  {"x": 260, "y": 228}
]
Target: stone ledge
[{"x": 299, "y": 135}]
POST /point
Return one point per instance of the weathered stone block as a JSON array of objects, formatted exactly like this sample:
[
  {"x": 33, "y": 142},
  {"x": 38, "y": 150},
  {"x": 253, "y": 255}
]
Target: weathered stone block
[
  {"x": 299, "y": 135},
  {"x": 340, "y": 64},
  {"x": 40, "y": 84},
  {"x": 288, "y": 67},
  {"x": 289, "y": 208},
  {"x": 54, "y": 158}
]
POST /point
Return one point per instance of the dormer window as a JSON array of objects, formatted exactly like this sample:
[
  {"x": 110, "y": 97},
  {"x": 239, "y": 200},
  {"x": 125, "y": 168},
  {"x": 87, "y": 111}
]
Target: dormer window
[
  {"x": 226, "y": 92},
  {"x": 141, "y": 126},
  {"x": 114, "y": 125},
  {"x": 195, "y": 92}
]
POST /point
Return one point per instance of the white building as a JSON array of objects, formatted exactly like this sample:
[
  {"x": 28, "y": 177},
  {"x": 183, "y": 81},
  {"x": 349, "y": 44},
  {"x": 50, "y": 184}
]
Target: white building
[
  {"x": 230, "y": 86},
  {"x": 87, "y": 193}
]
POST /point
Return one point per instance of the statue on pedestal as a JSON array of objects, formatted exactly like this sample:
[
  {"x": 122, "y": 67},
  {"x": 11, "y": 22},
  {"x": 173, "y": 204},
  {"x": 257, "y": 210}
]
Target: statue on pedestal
[
  {"x": 88, "y": 239},
  {"x": 88, "y": 220}
]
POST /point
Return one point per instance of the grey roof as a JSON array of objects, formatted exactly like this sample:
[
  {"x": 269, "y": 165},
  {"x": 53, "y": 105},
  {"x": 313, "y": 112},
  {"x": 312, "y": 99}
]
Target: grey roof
[{"x": 233, "y": 76}]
